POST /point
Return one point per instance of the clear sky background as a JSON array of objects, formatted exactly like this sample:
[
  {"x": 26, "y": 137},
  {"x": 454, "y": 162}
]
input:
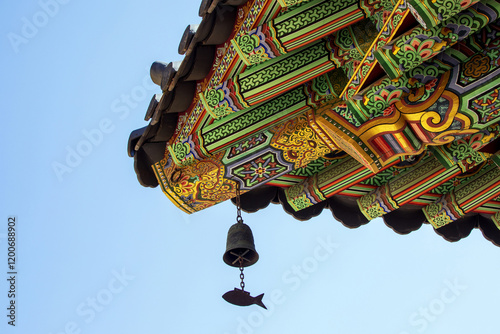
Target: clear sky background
[{"x": 98, "y": 253}]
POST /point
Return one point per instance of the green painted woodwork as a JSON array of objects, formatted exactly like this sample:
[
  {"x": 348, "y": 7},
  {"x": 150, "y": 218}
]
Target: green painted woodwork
[
  {"x": 417, "y": 45},
  {"x": 485, "y": 185},
  {"x": 430, "y": 13},
  {"x": 252, "y": 124},
  {"x": 301, "y": 26}
]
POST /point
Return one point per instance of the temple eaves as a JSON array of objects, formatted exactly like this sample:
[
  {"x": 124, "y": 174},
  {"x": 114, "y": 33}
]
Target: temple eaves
[{"x": 369, "y": 108}]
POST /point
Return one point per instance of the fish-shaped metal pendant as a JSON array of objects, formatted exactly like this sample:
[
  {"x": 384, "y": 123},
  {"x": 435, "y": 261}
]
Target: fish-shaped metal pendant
[{"x": 242, "y": 298}]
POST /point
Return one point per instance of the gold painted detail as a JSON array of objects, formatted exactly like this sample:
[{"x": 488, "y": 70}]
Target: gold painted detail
[
  {"x": 197, "y": 186},
  {"x": 496, "y": 219},
  {"x": 299, "y": 143},
  {"x": 377, "y": 203},
  {"x": 442, "y": 212}
]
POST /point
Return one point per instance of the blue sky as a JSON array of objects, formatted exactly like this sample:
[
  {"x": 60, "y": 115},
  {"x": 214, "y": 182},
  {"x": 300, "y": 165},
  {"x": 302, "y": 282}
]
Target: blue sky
[{"x": 98, "y": 253}]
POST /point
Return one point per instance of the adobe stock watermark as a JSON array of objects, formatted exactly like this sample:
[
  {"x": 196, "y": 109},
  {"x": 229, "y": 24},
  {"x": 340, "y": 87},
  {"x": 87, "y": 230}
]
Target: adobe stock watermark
[
  {"x": 186, "y": 218},
  {"x": 94, "y": 137},
  {"x": 88, "y": 310},
  {"x": 32, "y": 25},
  {"x": 424, "y": 316},
  {"x": 293, "y": 279}
]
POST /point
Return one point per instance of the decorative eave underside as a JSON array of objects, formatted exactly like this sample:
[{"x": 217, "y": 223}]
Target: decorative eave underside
[
  {"x": 404, "y": 220},
  {"x": 275, "y": 99}
]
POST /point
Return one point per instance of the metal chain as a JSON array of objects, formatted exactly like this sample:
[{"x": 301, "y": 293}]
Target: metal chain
[
  {"x": 242, "y": 276},
  {"x": 239, "y": 219}
]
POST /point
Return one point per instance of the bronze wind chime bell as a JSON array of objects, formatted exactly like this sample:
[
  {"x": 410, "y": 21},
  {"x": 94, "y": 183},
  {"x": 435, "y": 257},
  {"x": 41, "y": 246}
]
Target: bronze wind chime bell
[{"x": 240, "y": 252}]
